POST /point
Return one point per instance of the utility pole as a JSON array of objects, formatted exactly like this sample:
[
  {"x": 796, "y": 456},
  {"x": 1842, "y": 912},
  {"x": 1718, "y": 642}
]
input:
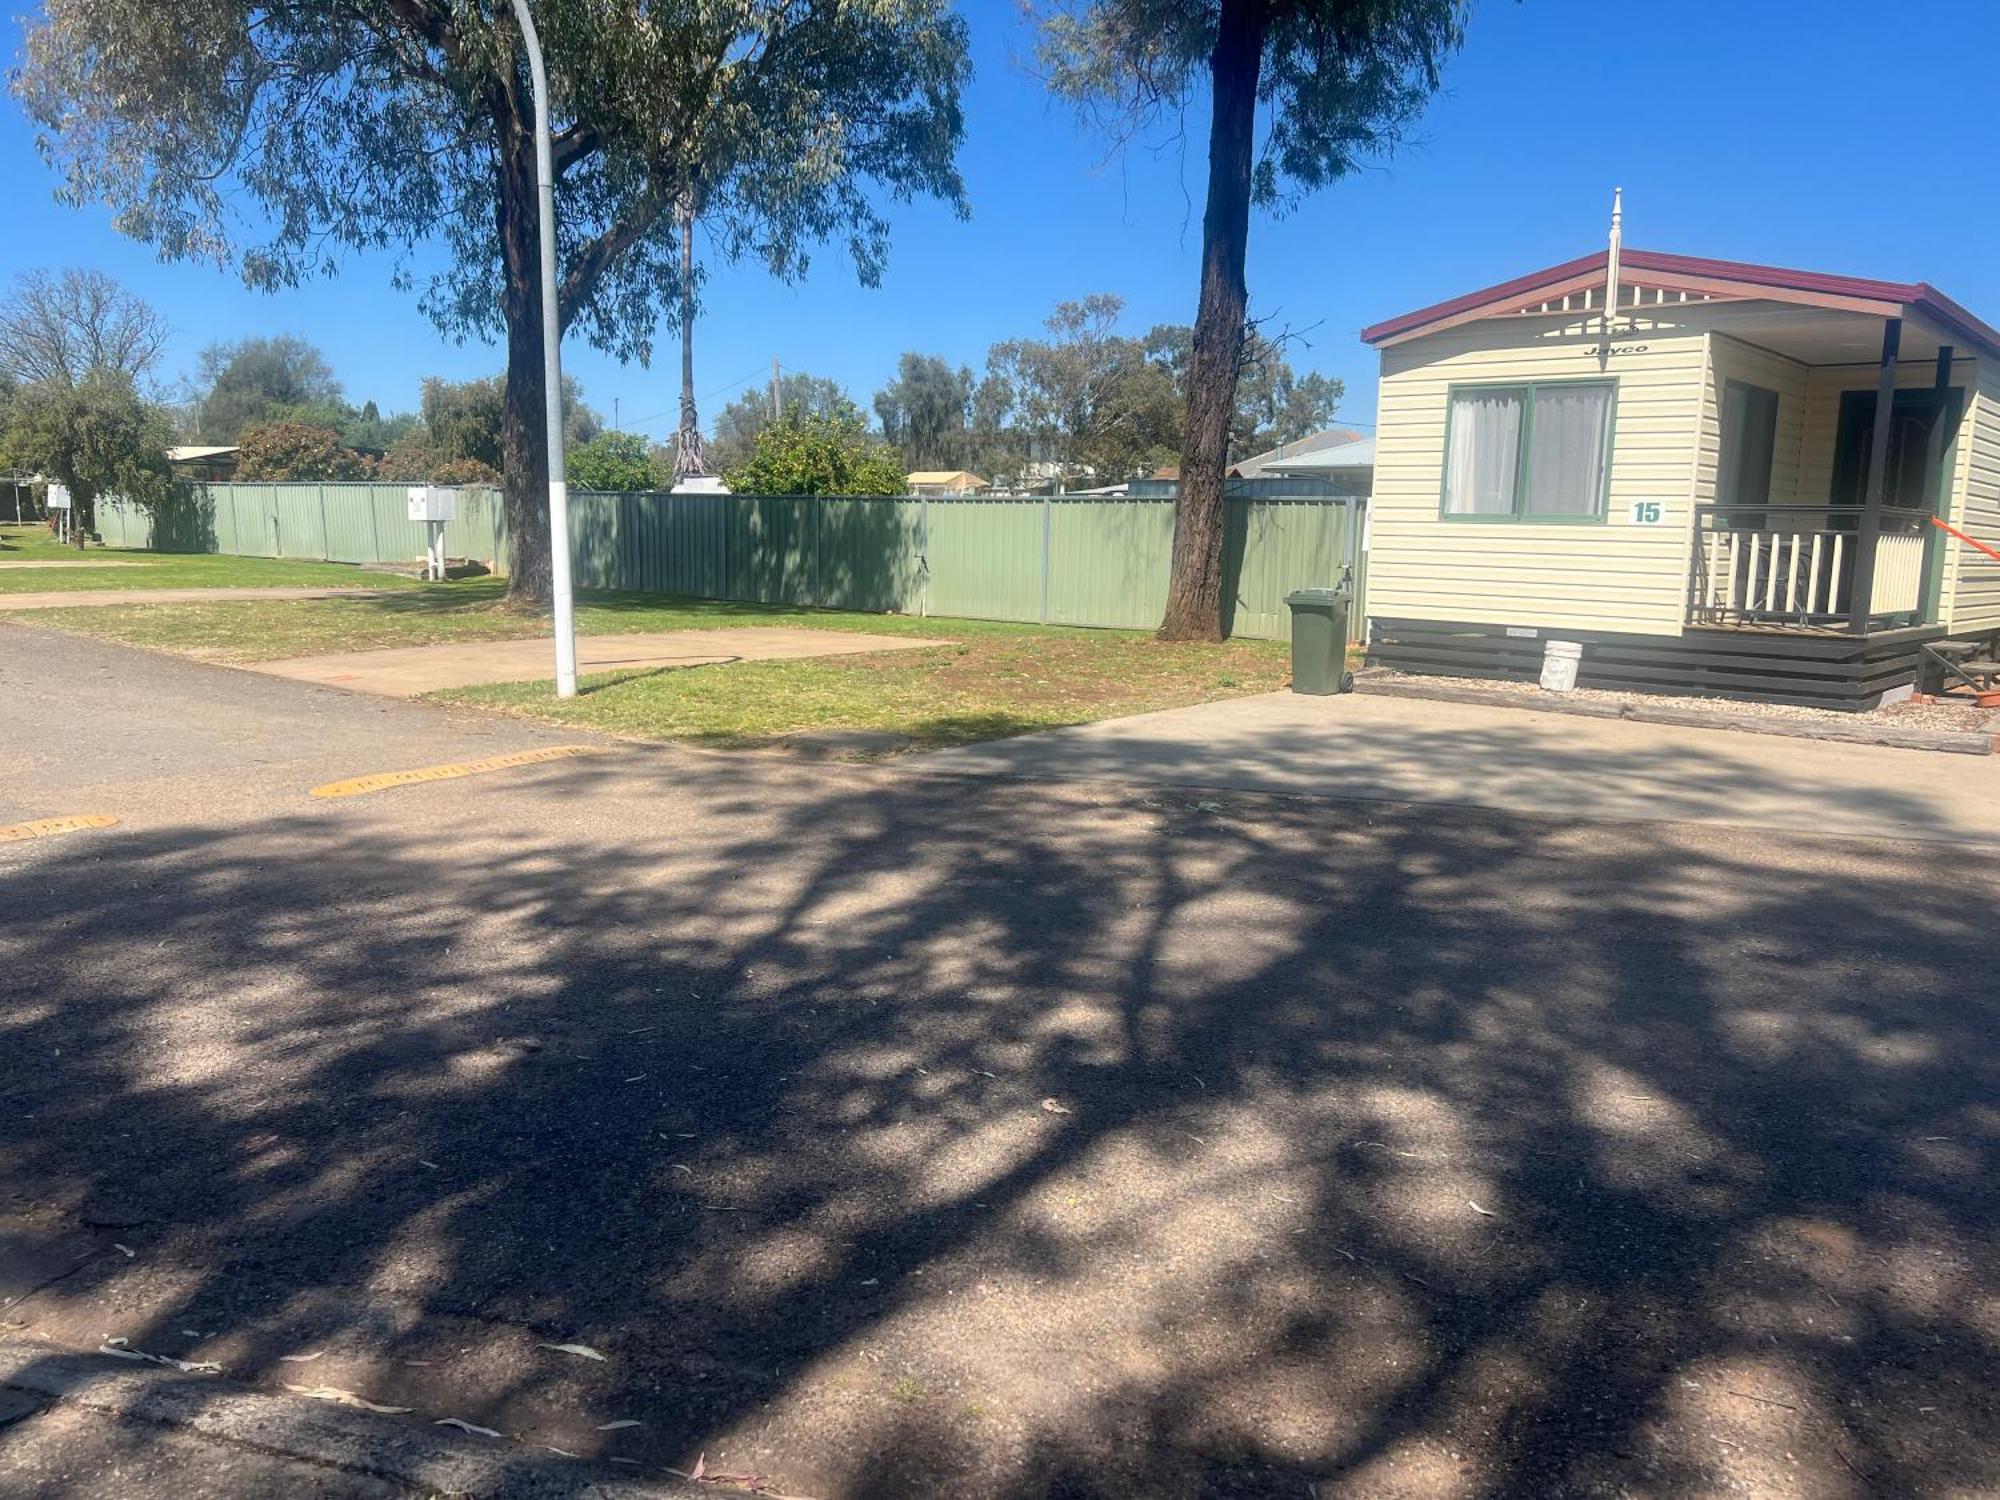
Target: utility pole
[
  {"x": 545, "y": 183},
  {"x": 777, "y": 393},
  {"x": 616, "y": 425}
]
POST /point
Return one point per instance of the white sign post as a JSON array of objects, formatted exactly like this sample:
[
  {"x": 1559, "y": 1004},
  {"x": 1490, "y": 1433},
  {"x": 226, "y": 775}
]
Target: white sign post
[
  {"x": 57, "y": 498},
  {"x": 436, "y": 506}
]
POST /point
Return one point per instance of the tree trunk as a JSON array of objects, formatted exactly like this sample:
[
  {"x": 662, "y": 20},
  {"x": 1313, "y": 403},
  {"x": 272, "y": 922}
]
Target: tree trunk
[
  {"x": 690, "y": 458},
  {"x": 524, "y": 456},
  {"x": 1194, "y": 585}
]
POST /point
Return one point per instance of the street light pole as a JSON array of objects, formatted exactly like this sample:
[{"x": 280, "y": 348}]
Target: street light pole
[{"x": 545, "y": 183}]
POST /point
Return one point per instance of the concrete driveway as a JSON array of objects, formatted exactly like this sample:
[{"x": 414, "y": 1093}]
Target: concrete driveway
[
  {"x": 1515, "y": 760},
  {"x": 893, "y": 1134}
]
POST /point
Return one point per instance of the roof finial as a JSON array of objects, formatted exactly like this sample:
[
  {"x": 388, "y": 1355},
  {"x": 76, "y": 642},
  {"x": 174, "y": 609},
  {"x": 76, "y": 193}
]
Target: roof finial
[{"x": 1611, "y": 256}]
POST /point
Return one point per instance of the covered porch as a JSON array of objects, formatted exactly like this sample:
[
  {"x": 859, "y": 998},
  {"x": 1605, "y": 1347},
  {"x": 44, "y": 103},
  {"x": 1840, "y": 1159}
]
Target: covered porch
[{"x": 1835, "y": 448}]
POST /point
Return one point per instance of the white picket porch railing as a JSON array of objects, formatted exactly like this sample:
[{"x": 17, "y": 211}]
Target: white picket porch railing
[{"x": 1798, "y": 566}]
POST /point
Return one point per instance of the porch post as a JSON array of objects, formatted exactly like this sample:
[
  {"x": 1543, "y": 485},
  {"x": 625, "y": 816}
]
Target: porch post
[
  {"x": 1937, "y": 493},
  {"x": 1861, "y": 600}
]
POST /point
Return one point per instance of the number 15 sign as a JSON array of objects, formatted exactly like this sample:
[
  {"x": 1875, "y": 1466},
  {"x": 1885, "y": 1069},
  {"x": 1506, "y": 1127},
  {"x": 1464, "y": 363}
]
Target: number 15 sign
[{"x": 1649, "y": 513}]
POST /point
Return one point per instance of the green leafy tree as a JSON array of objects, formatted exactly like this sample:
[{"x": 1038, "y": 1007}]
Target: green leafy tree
[
  {"x": 617, "y": 461},
  {"x": 926, "y": 410},
  {"x": 1088, "y": 397},
  {"x": 818, "y": 454},
  {"x": 258, "y": 380},
  {"x": 98, "y": 438},
  {"x": 738, "y": 423},
  {"x": 288, "y": 449},
  {"x": 372, "y": 124},
  {"x": 1339, "y": 82}
]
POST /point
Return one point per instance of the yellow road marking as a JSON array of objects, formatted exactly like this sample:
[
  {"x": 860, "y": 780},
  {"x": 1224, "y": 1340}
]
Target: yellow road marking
[
  {"x": 383, "y": 780},
  {"x": 41, "y": 828}
]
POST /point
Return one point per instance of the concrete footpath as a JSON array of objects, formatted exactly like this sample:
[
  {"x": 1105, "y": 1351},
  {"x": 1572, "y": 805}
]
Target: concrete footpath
[
  {"x": 1514, "y": 760},
  {"x": 409, "y": 671}
]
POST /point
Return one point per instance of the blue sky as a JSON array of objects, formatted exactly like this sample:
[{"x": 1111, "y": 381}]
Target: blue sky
[{"x": 1746, "y": 131}]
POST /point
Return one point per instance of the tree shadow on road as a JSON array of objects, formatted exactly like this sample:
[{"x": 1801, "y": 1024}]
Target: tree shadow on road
[{"x": 906, "y": 1136}]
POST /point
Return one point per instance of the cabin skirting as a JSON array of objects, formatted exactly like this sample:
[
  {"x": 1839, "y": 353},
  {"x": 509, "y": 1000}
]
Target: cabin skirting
[{"x": 1813, "y": 670}]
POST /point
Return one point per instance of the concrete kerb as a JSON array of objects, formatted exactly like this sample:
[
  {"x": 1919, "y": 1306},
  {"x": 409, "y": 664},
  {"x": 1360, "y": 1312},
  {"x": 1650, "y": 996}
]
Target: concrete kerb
[
  {"x": 429, "y": 1459},
  {"x": 1960, "y": 742}
]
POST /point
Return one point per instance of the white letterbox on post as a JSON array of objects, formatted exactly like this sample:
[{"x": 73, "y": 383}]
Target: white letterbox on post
[
  {"x": 433, "y": 502},
  {"x": 436, "y": 505}
]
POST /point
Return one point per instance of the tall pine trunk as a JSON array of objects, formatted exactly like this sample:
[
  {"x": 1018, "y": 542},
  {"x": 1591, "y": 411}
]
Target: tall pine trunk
[
  {"x": 690, "y": 459},
  {"x": 1194, "y": 585},
  {"x": 523, "y": 446}
]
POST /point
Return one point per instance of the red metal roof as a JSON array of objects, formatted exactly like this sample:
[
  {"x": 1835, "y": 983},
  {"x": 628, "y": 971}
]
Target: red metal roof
[{"x": 1919, "y": 296}]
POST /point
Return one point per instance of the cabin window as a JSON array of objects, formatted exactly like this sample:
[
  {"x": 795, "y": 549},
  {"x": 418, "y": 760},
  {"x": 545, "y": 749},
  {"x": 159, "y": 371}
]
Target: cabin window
[
  {"x": 1537, "y": 452},
  {"x": 1749, "y": 442}
]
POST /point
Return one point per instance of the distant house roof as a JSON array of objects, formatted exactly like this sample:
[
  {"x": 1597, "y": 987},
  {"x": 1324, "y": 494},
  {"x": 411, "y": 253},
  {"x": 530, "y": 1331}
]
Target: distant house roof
[
  {"x": 700, "y": 484},
  {"x": 946, "y": 476},
  {"x": 1343, "y": 458},
  {"x": 1689, "y": 273},
  {"x": 196, "y": 453},
  {"x": 1312, "y": 442}
]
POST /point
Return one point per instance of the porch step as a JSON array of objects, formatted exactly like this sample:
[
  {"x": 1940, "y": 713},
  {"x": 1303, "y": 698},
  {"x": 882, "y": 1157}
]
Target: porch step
[{"x": 1957, "y": 650}]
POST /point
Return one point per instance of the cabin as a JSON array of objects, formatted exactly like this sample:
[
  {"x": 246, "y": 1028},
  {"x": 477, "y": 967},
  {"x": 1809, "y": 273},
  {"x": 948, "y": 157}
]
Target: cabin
[{"x": 1719, "y": 479}]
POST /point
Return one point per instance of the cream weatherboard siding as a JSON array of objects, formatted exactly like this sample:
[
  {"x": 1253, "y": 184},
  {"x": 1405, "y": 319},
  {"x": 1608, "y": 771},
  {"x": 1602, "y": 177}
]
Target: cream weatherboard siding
[
  {"x": 1972, "y": 579},
  {"x": 1610, "y": 576}
]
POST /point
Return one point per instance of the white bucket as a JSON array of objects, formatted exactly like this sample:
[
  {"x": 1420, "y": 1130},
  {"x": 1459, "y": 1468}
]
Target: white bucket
[{"x": 1559, "y": 664}]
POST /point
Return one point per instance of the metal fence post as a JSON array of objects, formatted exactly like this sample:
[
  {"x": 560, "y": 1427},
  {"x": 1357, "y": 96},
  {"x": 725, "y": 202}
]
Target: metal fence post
[{"x": 1048, "y": 525}]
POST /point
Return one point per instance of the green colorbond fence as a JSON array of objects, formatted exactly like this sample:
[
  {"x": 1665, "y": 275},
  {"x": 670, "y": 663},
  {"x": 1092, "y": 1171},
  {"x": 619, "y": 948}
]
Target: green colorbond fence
[{"x": 1087, "y": 560}]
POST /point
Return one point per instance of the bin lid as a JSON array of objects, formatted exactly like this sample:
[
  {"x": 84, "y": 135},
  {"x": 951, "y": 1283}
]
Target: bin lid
[{"x": 1316, "y": 596}]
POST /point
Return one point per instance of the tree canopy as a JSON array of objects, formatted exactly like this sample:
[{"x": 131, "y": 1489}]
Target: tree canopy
[
  {"x": 818, "y": 453},
  {"x": 1099, "y": 404},
  {"x": 738, "y": 423},
  {"x": 292, "y": 449},
  {"x": 262, "y": 379},
  {"x": 617, "y": 461},
  {"x": 62, "y": 327},
  {"x": 272, "y": 139},
  {"x": 98, "y": 438}
]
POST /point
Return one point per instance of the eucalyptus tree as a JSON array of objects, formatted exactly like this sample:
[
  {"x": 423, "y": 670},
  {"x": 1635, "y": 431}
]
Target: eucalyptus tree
[
  {"x": 274, "y": 139},
  {"x": 1339, "y": 82}
]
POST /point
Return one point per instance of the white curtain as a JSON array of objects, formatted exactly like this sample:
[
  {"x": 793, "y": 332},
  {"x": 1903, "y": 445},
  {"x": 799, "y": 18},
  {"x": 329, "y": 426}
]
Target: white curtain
[
  {"x": 1485, "y": 452},
  {"x": 1567, "y": 452}
]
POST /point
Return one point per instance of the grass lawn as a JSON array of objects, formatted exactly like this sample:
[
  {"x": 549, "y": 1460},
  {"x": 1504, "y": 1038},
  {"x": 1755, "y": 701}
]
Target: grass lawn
[
  {"x": 164, "y": 570},
  {"x": 992, "y": 679}
]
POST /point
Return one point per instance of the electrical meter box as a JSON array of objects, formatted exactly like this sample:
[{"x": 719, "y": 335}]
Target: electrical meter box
[{"x": 433, "y": 502}]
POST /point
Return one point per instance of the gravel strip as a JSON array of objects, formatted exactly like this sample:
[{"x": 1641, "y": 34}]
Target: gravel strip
[{"x": 1945, "y": 717}]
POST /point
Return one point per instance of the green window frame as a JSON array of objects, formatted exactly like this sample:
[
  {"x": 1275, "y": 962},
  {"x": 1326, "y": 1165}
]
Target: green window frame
[{"x": 1520, "y": 514}]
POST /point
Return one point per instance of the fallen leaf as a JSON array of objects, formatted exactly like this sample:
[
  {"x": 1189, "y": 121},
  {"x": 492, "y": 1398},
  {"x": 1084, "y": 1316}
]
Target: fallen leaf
[
  {"x": 1055, "y": 1106},
  {"x": 563, "y": 1451},
  {"x": 619, "y": 1425},
  {"x": 118, "y": 1350},
  {"x": 302, "y": 1359},
  {"x": 700, "y": 1466},
  {"x": 464, "y": 1426},
  {"x": 124, "y": 1250},
  {"x": 632, "y": 1461},
  {"x": 1478, "y": 1210},
  {"x": 582, "y": 1351},
  {"x": 339, "y": 1397}
]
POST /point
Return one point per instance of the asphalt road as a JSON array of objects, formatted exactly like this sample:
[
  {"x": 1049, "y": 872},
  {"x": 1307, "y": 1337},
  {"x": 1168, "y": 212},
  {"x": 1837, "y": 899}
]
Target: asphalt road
[{"x": 890, "y": 1133}]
